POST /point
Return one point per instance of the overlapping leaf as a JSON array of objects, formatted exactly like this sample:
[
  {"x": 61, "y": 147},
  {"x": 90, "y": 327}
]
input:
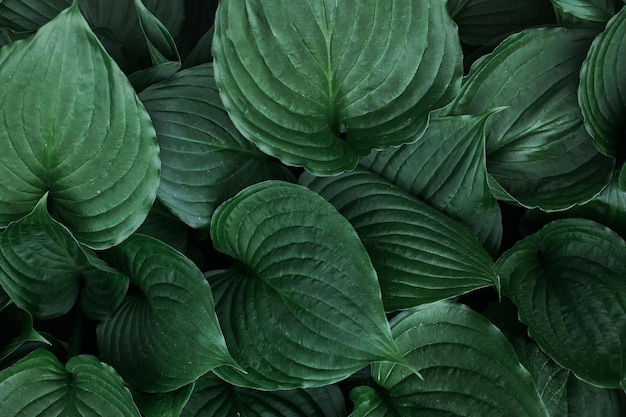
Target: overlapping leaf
[
  {"x": 213, "y": 397},
  {"x": 420, "y": 255},
  {"x": 446, "y": 168},
  {"x": 318, "y": 83},
  {"x": 567, "y": 281},
  {"x": 537, "y": 149},
  {"x": 29, "y": 15},
  {"x": 76, "y": 130},
  {"x": 469, "y": 370},
  {"x": 39, "y": 385},
  {"x": 302, "y": 302},
  {"x": 165, "y": 333},
  {"x": 205, "y": 160}
]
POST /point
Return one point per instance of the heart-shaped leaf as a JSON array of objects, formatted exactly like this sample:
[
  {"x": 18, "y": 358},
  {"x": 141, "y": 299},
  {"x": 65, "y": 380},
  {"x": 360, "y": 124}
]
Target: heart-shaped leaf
[
  {"x": 29, "y": 15},
  {"x": 75, "y": 129},
  {"x": 602, "y": 91},
  {"x": 537, "y": 149},
  {"x": 205, "y": 159},
  {"x": 469, "y": 368},
  {"x": 420, "y": 254},
  {"x": 39, "y": 385},
  {"x": 567, "y": 281},
  {"x": 291, "y": 300},
  {"x": 213, "y": 397},
  {"x": 446, "y": 168},
  {"x": 318, "y": 83},
  {"x": 165, "y": 334}
]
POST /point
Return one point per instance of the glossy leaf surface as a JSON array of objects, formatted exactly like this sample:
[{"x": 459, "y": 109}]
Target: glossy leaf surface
[
  {"x": 75, "y": 129},
  {"x": 290, "y": 299},
  {"x": 318, "y": 83},
  {"x": 420, "y": 255},
  {"x": 567, "y": 281}
]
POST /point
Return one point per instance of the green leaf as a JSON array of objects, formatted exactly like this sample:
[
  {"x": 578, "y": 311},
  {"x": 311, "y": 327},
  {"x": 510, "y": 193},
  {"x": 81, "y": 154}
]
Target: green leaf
[
  {"x": 602, "y": 91},
  {"x": 480, "y": 21},
  {"x": 205, "y": 160},
  {"x": 29, "y": 15},
  {"x": 446, "y": 168},
  {"x": 469, "y": 369},
  {"x": 584, "y": 10},
  {"x": 537, "y": 149},
  {"x": 303, "y": 304},
  {"x": 16, "y": 330},
  {"x": 420, "y": 254},
  {"x": 75, "y": 129},
  {"x": 318, "y": 83},
  {"x": 567, "y": 281},
  {"x": 169, "y": 404},
  {"x": 213, "y": 397},
  {"x": 39, "y": 385},
  {"x": 165, "y": 333}
]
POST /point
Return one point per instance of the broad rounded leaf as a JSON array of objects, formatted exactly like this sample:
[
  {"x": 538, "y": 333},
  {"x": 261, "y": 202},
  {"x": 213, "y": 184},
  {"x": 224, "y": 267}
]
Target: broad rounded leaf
[
  {"x": 303, "y": 304},
  {"x": 602, "y": 92},
  {"x": 537, "y": 149},
  {"x": 205, "y": 160},
  {"x": 75, "y": 129},
  {"x": 318, "y": 83},
  {"x": 29, "y": 15},
  {"x": 213, "y": 397},
  {"x": 39, "y": 385},
  {"x": 165, "y": 334},
  {"x": 469, "y": 369},
  {"x": 567, "y": 281},
  {"x": 420, "y": 254},
  {"x": 446, "y": 168}
]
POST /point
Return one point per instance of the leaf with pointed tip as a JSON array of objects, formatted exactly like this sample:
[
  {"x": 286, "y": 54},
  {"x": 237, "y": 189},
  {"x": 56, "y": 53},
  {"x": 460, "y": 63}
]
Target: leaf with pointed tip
[
  {"x": 446, "y": 168},
  {"x": 168, "y": 404},
  {"x": 291, "y": 300},
  {"x": 318, "y": 83},
  {"x": 29, "y": 15},
  {"x": 75, "y": 129},
  {"x": 537, "y": 149},
  {"x": 602, "y": 92},
  {"x": 205, "y": 160},
  {"x": 567, "y": 281},
  {"x": 165, "y": 334},
  {"x": 39, "y": 385},
  {"x": 420, "y": 254},
  {"x": 469, "y": 368},
  {"x": 584, "y": 10},
  {"x": 16, "y": 329},
  {"x": 213, "y": 397}
]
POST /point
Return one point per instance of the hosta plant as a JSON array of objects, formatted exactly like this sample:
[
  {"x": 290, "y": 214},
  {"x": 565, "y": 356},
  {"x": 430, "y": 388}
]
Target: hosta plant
[{"x": 314, "y": 208}]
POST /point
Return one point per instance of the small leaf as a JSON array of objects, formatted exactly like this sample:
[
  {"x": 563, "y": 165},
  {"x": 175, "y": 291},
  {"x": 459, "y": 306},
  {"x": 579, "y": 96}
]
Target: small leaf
[
  {"x": 29, "y": 15},
  {"x": 213, "y": 397},
  {"x": 39, "y": 385},
  {"x": 169, "y": 404},
  {"x": 104, "y": 287},
  {"x": 602, "y": 91},
  {"x": 205, "y": 159},
  {"x": 420, "y": 255},
  {"x": 75, "y": 129},
  {"x": 469, "y": 369},
  {"x": 165, "y": 333},
  {"x": 16, "y": 330},
  {"x": 303, "y": 303},
  {"x": 584, "y": 10},
  {"x": 537, "y": 149},
  {"x": 318, "y": 83},
  {"x": 567, "y": 281}
]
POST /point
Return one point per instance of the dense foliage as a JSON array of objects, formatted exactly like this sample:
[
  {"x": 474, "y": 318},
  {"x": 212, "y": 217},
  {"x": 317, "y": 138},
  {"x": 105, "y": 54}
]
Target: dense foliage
[{"x": 313, "y": 208}]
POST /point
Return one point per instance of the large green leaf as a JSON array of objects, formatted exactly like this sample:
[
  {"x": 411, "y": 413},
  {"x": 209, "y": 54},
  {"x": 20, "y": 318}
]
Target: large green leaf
[
  {"x": 318, "y": 83},
  {"x": 165, "y": 333},
  {"x": 205, "y": 160},
  {"x": 446, "y": 168},
  {"x": 480, "y": 21},
  {"x": 74, "y": 129},
  {"x": 213, "y": 397},
  {"x": 302, "y": 302},
  {"x": 29, "y": 15},
  {"x": 39, "y": 385},
  {"x": 602, "y": 92},
  {"x": 469, "y": 370},
  {"x": 537, "y": 149},
  {"x": 567, "y": 281},
  {"x": 420, "y": 254}
]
